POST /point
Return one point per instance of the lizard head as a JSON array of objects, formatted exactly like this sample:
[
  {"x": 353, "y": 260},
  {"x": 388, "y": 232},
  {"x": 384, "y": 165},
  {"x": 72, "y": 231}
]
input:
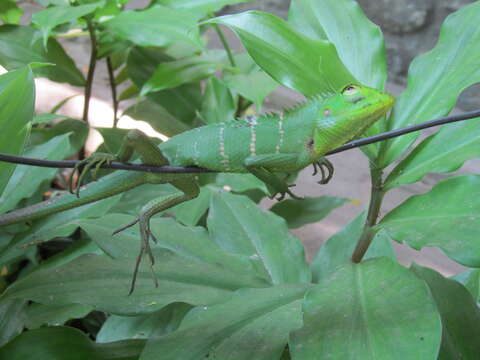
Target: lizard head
[{"x": 347, "y": 114}]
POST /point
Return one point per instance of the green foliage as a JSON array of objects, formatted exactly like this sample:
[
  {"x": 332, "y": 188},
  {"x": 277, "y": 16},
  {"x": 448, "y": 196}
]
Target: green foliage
[{"x": 233, "y": 282}]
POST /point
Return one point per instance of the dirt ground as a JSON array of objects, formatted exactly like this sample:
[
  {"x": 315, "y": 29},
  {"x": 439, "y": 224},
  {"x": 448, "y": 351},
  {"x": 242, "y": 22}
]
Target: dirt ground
[{"x": 351, "y": 178}]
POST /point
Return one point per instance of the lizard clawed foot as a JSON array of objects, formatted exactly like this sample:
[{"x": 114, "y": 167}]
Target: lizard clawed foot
[
  {"x": 326, "y": 169},
  {"x": 83, "y": 167},
  {"x": 282, "y": 194},
  {"x": 146, "y": 234}
]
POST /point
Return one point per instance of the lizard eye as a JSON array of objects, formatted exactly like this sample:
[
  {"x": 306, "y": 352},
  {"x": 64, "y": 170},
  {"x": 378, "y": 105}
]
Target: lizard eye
[{"x": 350, "y": 90}]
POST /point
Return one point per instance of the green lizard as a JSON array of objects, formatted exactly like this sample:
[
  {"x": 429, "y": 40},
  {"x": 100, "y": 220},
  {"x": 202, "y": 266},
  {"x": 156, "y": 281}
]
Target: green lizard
[{"x": 263, "y": 147}]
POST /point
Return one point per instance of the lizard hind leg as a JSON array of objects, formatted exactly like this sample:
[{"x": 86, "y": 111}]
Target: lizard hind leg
[{"x": 188, "y": 190}]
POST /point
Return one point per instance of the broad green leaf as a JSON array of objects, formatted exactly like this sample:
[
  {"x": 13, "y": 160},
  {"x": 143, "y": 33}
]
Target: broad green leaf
[
  {"x": 239, "y": 226},
  {"x": 255, "y": 86},
  {"x": 459, "y": 312},
  {"x": 76, "y": 129},
  {"x": 442, "y": 152},
  {"x": 447, "y": 217},
  {"x": 22, "y": 45},
  {"x": 181, "y": 102},
  {"x": 218, "y": 103},
  {"x": 344, "y": 23},
  {"x": 133, "y": 200},
  {"x": 240, "y": 182},
  {"x": 185, "y": 241},
  {"x": 10, "y": 13},
  {"x": 200, "y": 7},
  {"x": 471, "y": 280},
  {"x": 190, "y": 212},
  {"x": 25, "y": 180},
  {"x": 306, "y": 211},
  {"x": 113, "y": 138},
  {"x": 143, "y": 326},
  {"x": 158, "y": 117},
  {"x": 17, "y": 98},
  {"x": 175, "y": 73},
  {"x": 103, "y": 283},
  {"x": 53, "y": 2},
  {"x": 373, "y": 310},
  {"x": 12, "y": 319},
  {"x": 61, "y": 342},
  {"x": 56, "y": 225},
  {"x": 51, "y": 17},
  {"x": 156, "y": 26},
  {"x": 253, "y": 324},
  {"x": 46, "y": 118},
  {"x": 39, "y": 314},
  {"x": 338, "y": 250},
  {"x": 437, "y": 78},
  {"x": 294, "y": 60}
]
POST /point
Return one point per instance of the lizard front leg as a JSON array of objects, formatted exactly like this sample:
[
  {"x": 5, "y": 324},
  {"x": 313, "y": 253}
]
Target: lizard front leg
[
  {"x": 189, "y": 190},
  {"x": 135, "y": 140},
  {"x": 265, "y": 166}
]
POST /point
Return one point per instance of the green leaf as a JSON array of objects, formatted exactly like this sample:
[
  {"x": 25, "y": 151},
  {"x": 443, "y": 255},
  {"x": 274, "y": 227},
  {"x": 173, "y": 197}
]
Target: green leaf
[
  {"x": 294, "y": 60},
  {"x": 76, "y": 129},
  {"x": 174, "y": 73},
  {"x": 25, "y": 180},
  {"x": 306, "y": 211},
  {"x": 253, "y": 325},
  {"x": 200, "y": 7},
  {"x": 190, "y": 212},
  {"x": 103, "y": 283},
  {"x": 181, "y": 102},
  {"x": 255, "y": 86},
  {"x": 444, "y": 151},
  {"x": 17, "y": 98},
  {"x": 56, "y": 225},
  {"x": 185, "y": 241},
  {"x": 10, "y": 13},
  {"x": 39, "y": 314},
  {"x": 12, "y": 319},
  {"x": 22, "y": 45},
  {"x": 53, "y": 16},
  {"x": 344, "y": 23},
  {"x": 446, "y": 217},
  {"x": 218, "y": 104},
  {"x": 337, "y": 251},
  {"x": 158, "y": 117},
  {"x": 61, "y": 342},
  {"x": 240, "y": 182},
  {"x": 471, "y": 280},
  {"x": 443, "y": 73},
  {"x": 156, "y": 26},
  {"x": 459, "y": 312},
  {"x": 373, "y": 310},
  {"x": 46, "y": 118},
  {"x": 143, "y": 326},
  {"x": 134, "y": 199},
  {"x": 238, "y": 225}
]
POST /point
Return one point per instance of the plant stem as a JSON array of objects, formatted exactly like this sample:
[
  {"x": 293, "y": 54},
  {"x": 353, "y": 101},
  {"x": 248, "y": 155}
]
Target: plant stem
[
  {"x": 243, "y": 104},
  {"x": 376, "y": 197},
  {"x": 225, "y": 45},
  {"x": 113, "y": 87},
  {"x": 91, "y": 69}
]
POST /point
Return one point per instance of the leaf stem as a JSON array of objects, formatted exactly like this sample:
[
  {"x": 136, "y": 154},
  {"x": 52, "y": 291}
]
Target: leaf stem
[
  {"x": 113, "y": 87},
  {"x": 225, "y": 45},
  {"x": 91, "y": 69},
  {"x": 376, "y": 197}
]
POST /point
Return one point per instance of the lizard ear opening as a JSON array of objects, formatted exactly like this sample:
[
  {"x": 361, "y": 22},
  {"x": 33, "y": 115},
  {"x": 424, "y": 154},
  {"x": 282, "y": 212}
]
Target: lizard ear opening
[{"x": 350, "y": 90}]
